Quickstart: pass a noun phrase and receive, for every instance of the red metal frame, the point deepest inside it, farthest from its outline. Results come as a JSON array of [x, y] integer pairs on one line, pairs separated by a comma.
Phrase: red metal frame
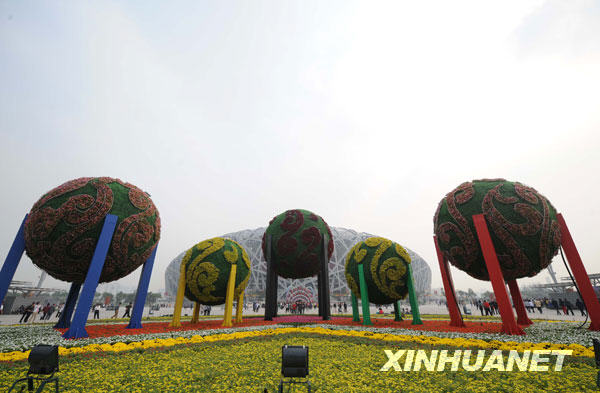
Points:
[[509, 324], [580, 274], [455, 317], [515, 293]]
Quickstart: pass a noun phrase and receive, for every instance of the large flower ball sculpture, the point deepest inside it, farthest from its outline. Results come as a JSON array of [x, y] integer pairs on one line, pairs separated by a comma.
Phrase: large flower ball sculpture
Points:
[[296, 241], [385, 267], [63, 227], [522, 224], [208, 267]]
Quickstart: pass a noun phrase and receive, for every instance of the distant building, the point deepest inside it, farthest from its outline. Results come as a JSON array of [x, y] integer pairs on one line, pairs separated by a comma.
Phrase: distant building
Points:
[[302, 289]]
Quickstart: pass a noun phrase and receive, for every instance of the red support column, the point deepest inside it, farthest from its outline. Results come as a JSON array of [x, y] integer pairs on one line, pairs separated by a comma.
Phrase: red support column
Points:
[[515, 293], [580, 274], [509, 325], [455, 317]]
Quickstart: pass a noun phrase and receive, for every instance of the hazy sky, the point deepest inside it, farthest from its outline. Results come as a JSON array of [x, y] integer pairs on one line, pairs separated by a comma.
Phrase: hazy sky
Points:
[[366, 113]]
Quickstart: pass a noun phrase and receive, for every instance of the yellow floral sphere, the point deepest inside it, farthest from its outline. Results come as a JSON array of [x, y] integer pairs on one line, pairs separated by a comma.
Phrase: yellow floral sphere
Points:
[[385, 266], [207, 268]]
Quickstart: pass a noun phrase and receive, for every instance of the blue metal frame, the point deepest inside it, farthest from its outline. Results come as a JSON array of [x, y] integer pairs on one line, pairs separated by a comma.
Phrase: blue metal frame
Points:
[[77, 328], [135, 322], [65, 317], [12, 260]]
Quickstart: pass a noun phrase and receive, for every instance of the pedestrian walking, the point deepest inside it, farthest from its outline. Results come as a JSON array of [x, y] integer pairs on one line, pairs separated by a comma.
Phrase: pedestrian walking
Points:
[[50, 311], [568, 307], [36, 309], [538, 305], [116, 314], [97, 311], [562, 305], [555, 306], [580, 306], [26, 313], [127, 309]]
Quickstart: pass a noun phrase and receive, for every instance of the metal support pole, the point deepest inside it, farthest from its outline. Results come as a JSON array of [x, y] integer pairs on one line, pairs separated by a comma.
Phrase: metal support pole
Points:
[[455, 317], [176, 320], [12, 260], [509, 324], [397, 314], [77, 328], [412, 295], [364, 296], [229, 297], [270, 291], [65, 317], [579, 273], [240, 308], [135, 322], [325, 280], [515, 293]]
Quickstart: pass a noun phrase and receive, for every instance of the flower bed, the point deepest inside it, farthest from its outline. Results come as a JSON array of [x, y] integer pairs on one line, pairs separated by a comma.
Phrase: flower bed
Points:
[[96, 331], [252, 363], [125, 343]]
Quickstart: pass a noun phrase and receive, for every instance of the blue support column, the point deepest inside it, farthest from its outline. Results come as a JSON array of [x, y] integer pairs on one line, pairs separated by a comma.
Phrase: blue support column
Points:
[[77, 329], [12, 260], [135, 322], [65, 317]]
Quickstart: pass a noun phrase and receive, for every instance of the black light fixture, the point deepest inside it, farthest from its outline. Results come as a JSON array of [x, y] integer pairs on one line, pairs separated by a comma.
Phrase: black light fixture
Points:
[[597, 356], [43, 360], [294, 364]]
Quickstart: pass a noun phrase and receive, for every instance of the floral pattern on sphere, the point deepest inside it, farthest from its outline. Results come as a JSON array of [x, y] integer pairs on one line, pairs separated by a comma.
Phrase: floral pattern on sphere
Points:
[[207, 268], [385, 266], [296, 243], [522, 224], [63, 227]]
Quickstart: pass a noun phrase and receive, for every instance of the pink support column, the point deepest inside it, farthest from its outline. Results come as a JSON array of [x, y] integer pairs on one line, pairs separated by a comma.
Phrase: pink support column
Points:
[[455, 318], [581, 276], [509, 324], [515, 293]]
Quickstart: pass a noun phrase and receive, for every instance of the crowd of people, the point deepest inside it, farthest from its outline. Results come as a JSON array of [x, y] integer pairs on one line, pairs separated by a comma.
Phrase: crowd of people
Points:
[[531, 305], [30, 313]]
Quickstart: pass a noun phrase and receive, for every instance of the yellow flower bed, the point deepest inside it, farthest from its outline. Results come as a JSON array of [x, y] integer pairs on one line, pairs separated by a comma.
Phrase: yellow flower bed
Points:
[[337, 365], [578, 350]]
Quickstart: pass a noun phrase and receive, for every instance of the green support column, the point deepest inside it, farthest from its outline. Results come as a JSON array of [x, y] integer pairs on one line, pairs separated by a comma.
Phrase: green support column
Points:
[[397, 314], [355, 314], [414, 305], [364, 296]]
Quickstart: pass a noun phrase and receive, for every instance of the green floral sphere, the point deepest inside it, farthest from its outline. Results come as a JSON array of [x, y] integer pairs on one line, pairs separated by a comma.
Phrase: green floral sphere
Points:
[[385, 266], [207, 268], [522, 224], [63, 227], [296, 237]]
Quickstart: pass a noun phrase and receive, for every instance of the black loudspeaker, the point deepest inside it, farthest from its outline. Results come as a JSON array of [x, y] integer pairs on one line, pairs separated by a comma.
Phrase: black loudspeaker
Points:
[[294, 361], [43, 359]]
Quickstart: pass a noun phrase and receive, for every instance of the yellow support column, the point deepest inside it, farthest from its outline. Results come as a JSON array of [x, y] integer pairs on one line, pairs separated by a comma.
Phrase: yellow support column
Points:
[[196, 312], [240, 308], [176, 321], [229, 297]]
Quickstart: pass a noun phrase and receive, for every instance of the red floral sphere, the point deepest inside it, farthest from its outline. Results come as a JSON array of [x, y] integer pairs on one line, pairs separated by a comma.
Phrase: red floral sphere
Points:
[[522, 223], [296, 243], [63, 227]]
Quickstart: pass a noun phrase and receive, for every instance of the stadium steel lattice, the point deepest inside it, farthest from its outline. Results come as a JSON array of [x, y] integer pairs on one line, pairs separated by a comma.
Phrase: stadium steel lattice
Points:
[[302, 289]]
